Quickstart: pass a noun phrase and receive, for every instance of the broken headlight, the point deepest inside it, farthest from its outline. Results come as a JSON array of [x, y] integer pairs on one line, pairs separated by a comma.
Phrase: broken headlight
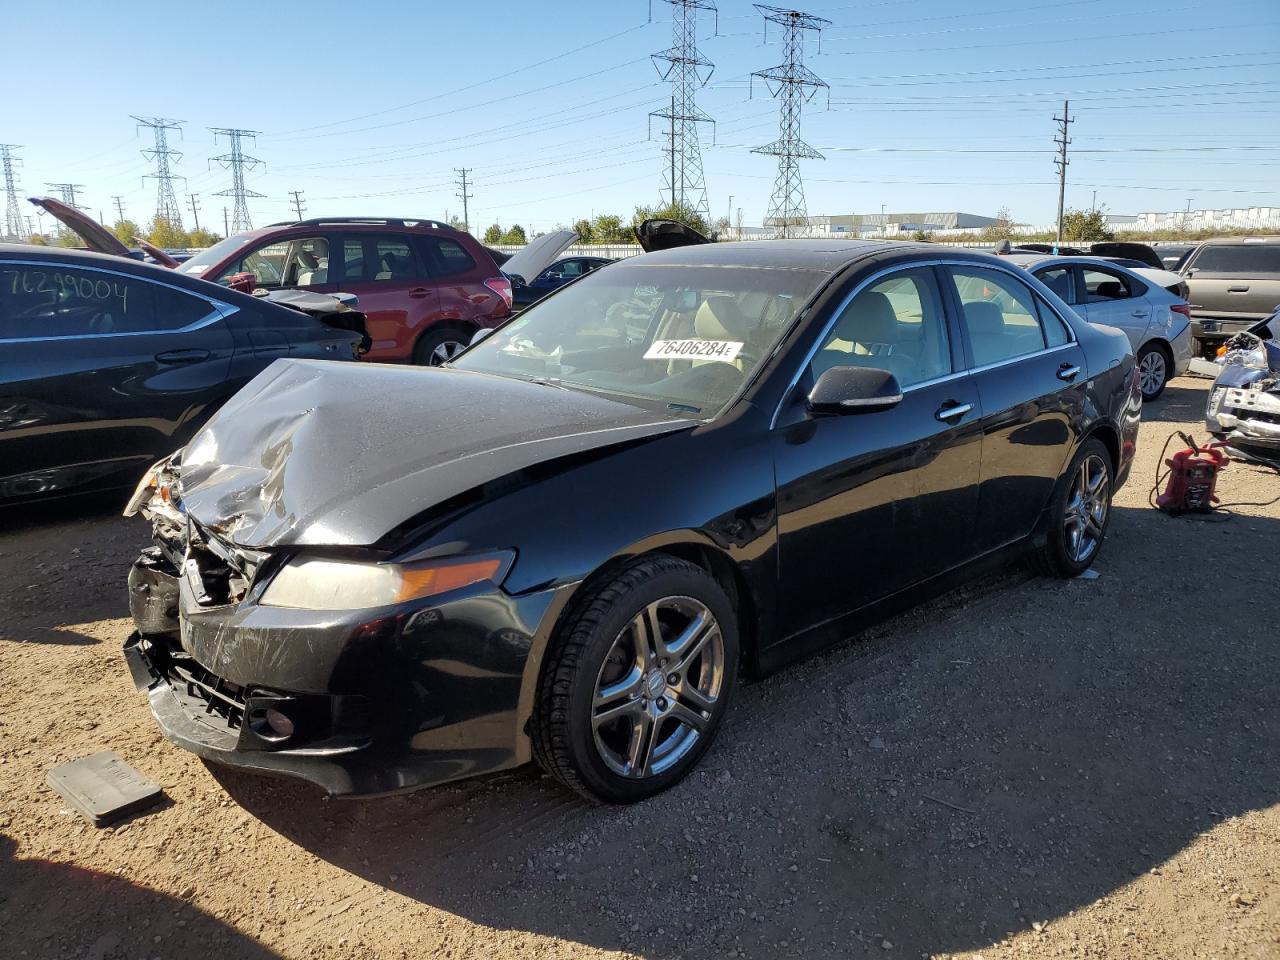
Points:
[[326, 584]]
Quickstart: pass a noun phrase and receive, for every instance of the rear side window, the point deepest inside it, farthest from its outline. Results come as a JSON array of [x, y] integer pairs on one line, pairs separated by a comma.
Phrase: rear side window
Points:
[[445, 257], [54, 301], [394, 260], [1102, 286], [1247, 259], [1000, 314]]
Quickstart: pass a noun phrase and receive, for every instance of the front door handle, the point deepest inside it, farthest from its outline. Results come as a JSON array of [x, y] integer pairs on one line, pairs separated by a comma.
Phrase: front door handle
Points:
[[1244, 289], [1140, 313], [183, 356], [952, 411], [1068, 372], [419, 292]]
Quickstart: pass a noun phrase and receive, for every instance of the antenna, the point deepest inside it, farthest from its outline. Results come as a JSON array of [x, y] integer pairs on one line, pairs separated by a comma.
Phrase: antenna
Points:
[[793, 84], [237, 162], [15, 228], [688, 70], [167, 208]]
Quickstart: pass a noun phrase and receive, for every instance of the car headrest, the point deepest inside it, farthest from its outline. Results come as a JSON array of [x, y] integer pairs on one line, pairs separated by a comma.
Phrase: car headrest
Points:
[[1111, 289], [983, 316], [307, 259], [1060, 284], [869, 319], [720, 318]]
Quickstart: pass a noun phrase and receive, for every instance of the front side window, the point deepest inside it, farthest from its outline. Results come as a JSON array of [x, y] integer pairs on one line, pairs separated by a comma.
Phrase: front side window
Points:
[[1000, 314], [1102, 286], [685, 339], [1058, 279], [50, 300], [896, 324], [286, 263]]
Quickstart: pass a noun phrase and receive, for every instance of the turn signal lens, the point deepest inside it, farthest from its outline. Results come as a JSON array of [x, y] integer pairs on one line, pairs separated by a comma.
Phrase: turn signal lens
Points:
[[324, 584], [1221, 350]]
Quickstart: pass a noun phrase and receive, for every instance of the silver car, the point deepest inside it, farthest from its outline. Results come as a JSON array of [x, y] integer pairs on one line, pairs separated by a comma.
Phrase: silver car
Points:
[[1156, 320]]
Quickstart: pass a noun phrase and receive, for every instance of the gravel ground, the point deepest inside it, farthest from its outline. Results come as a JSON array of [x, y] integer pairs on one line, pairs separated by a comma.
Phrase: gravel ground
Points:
[[1021, 768]]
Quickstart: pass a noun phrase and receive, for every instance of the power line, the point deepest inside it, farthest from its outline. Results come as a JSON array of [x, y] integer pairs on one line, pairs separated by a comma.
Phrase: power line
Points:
[[14, 226], [793, 84], [237, 162], [167, 208], [464, 196], [685, 66], [1062, 140], [296, 200]]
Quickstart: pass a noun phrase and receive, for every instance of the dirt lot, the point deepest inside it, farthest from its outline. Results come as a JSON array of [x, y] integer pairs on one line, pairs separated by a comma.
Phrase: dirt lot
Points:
[[1022, 768]]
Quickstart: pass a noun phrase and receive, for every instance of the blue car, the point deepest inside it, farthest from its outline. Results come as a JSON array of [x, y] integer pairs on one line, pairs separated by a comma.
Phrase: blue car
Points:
[[555, 276]]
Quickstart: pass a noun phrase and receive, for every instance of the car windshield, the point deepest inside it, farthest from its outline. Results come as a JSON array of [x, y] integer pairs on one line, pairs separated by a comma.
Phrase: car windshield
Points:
[[681, 338], [203, 260]]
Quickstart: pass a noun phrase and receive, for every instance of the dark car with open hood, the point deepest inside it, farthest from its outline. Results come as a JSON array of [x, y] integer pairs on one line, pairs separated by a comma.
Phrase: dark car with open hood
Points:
[[566, 544], [107, 363]]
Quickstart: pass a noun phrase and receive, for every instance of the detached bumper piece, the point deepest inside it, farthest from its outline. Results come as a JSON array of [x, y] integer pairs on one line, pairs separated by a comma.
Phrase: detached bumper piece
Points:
[[299, 735]]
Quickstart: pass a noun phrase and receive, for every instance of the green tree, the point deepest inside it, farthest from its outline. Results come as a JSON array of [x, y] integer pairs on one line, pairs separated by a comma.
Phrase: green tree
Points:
[[126, 231], [585, 230], [609, 228], [68, 239], [681, 212], [515, 236], [1085, 225], [493, 234], [1002, 229], [922, 236], [38, 240], [201, 238], [165, 233], [457, 223]]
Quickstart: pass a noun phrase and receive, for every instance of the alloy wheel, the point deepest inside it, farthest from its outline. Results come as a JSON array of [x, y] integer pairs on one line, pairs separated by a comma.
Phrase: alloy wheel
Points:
[[446, 351], [1152, 371], [1087, 506], [658, 687]]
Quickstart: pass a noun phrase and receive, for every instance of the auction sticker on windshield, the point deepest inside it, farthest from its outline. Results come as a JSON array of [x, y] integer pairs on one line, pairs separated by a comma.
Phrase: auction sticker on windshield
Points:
[[726, 350]]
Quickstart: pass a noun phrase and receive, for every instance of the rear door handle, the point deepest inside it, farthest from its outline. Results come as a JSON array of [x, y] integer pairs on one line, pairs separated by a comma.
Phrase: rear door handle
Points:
[[1243, 289], [1140, 313], [1068, 372], [952, 411], [182, 356], [419, 292]]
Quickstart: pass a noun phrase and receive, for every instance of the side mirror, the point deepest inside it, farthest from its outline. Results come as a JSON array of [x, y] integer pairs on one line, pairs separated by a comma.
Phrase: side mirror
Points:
[[480, 335], [855, 390]]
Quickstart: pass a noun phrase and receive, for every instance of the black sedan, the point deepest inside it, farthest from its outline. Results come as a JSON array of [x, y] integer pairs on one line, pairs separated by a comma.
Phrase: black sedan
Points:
[[107, 363], [555, 276], [567, 544]]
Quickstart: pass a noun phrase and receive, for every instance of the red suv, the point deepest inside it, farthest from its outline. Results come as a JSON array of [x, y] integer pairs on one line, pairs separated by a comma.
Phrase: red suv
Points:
[[424, 286]]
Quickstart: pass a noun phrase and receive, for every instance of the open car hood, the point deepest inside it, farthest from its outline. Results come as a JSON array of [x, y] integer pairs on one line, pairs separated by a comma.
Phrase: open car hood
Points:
[[661, 234], [538, 254], [95, 236], [156, 254], [341, 454]]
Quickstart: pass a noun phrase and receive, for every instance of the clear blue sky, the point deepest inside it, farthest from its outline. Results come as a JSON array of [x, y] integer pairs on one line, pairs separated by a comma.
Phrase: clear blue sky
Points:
[[369, 107]]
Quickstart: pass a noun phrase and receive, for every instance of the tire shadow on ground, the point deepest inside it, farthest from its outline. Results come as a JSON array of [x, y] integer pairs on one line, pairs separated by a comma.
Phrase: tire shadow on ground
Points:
[[999, 757]]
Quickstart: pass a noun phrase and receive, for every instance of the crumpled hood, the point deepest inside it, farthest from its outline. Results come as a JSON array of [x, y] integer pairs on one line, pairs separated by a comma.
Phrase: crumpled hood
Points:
[[314, 452]]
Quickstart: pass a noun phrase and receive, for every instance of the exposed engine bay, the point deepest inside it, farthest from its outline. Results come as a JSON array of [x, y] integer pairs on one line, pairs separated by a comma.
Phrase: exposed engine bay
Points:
[[1244, 404]]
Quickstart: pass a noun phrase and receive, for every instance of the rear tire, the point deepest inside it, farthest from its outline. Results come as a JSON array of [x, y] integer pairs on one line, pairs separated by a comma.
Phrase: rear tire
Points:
[[1078, 514], [440, 346], [636, 681], [1154, 368]]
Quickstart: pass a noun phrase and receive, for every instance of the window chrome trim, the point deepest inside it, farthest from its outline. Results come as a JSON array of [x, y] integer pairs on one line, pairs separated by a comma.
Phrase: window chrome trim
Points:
[[220, 310], [955, 375]]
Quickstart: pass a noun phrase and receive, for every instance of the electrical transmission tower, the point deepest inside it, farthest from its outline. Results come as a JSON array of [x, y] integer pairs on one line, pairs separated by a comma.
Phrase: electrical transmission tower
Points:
[[167, 208], [237, 162], [68, 193], [296, 200], [688, 70], [1061, 161], [14, 226], [793, 84], [464, 196]]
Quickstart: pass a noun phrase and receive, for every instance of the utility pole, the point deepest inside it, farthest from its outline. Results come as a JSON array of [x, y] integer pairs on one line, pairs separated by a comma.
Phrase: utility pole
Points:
[[297, 201], [1064, 122], [119, 202], [237, 162], [688, 71], [13, 223], [167, 207], [884, 230], [1093, 204], [464, 196], [195, 208], [226, 224], [793, 84]]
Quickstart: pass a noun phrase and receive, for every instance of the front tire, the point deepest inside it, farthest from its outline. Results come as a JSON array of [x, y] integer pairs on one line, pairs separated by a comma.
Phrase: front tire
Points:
[[1154, 366], [637, 681], [1079, 514]]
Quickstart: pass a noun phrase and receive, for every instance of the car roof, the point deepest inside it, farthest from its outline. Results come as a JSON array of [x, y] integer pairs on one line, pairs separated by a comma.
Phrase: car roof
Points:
[[822, 255], [1237, 241]]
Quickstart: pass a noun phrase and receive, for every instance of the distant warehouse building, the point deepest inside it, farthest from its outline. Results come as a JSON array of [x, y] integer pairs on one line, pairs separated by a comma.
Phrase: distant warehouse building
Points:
[[890, 224]]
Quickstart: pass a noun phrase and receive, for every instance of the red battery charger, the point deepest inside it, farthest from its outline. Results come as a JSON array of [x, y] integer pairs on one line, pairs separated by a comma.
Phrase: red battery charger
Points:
[[1193, 478]]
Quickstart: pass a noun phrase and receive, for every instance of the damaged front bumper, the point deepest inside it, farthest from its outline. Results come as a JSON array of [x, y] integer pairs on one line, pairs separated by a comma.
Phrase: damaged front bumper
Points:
[[372, 701], [1244, 403]]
